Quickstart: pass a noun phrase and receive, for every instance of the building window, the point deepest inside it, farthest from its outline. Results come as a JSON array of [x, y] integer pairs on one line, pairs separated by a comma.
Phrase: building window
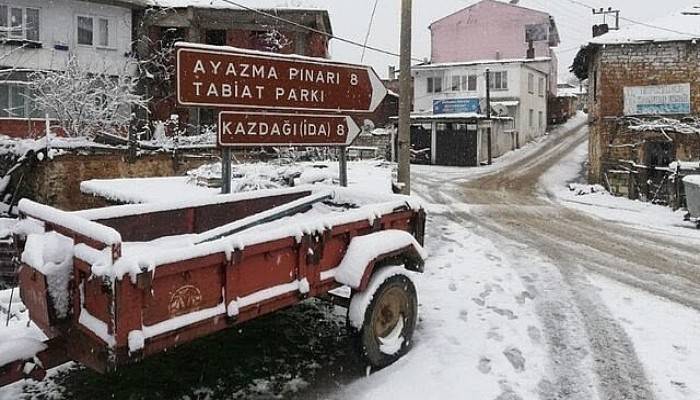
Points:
[[19, 23], [540, 87], [530, 83], [471, 84], [540, 119], [532, 118], [435, 84], [15, 102], [103, 25], [456, 83], [87, 32], [216, 37], [499, 80], [460, 83]]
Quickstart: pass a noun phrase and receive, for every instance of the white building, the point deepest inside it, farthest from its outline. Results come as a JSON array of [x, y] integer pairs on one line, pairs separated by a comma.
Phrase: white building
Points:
[[43, 35], [518, 90]]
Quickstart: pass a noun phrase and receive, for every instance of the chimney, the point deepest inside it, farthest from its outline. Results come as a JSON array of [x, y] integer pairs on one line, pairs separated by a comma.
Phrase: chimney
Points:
[[498, 55], [392, 72], [514, 2], [530, 50], [600, 30]]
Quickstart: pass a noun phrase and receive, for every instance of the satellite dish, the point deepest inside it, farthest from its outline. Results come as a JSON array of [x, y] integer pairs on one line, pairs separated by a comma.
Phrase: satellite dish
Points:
[[500, 109]]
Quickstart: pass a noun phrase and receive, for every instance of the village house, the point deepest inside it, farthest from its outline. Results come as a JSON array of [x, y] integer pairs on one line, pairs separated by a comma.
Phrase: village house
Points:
[[517, 90], [644, 102], [514, 44], [496, 30], [38, 35]]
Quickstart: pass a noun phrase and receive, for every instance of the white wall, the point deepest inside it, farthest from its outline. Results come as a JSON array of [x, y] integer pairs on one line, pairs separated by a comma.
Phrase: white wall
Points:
[[58, 26], [531, 101]]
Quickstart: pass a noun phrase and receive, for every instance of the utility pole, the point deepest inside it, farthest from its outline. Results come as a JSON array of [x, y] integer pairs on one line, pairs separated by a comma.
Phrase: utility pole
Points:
[[488, 115], [405, 100]]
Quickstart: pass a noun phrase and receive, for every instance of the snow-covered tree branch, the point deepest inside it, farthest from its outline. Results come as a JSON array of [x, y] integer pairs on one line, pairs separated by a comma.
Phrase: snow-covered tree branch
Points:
[[86, 103]]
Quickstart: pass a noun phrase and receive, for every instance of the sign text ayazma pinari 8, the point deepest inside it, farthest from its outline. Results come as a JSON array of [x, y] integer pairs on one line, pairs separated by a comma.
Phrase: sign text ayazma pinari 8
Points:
[[227, 77]]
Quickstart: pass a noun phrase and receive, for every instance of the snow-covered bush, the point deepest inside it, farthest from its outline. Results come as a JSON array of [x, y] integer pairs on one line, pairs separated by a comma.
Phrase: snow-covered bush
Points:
[[85, 103]]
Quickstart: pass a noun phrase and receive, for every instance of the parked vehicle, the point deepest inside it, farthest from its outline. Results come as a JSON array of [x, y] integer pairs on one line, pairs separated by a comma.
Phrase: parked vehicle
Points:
[[113, 285]]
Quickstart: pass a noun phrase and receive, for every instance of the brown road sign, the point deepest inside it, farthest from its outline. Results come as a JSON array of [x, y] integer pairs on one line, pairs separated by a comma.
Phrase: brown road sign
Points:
[[278, 129], [223, 77]]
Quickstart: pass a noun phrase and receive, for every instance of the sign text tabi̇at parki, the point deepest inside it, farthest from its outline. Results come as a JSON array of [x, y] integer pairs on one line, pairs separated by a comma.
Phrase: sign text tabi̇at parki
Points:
[[229, 77]]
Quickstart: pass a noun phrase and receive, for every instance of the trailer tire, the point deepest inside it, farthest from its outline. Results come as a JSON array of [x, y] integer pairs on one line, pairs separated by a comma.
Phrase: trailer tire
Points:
[[389, 320]]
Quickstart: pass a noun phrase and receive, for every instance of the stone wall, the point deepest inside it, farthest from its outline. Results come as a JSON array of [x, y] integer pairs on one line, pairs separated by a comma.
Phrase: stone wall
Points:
[[56, 182], [615, 66]]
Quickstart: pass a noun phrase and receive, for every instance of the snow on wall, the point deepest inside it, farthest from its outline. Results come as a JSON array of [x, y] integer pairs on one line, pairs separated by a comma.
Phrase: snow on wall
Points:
[[365, 249]]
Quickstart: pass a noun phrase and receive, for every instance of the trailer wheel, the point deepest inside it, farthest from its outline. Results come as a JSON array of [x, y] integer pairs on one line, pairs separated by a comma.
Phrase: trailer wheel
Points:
[[389, 319]]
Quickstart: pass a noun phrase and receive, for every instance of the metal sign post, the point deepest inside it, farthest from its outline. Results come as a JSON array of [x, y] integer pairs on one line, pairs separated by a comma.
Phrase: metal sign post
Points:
[[343, 161], [226, 170]]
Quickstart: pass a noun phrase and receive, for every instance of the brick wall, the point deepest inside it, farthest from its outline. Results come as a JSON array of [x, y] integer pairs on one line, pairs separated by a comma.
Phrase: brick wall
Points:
[[57, 182], [613, 67]]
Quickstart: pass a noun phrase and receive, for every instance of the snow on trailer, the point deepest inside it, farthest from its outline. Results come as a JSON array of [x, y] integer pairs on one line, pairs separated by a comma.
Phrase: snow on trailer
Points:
[[113, 285]]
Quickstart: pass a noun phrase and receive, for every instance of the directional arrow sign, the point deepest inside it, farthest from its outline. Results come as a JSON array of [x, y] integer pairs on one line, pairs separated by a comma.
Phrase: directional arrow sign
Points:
[[216, 76], [277, 129]]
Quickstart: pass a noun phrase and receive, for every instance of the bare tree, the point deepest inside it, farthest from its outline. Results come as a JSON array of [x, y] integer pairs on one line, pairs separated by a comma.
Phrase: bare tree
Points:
[[84, 102]]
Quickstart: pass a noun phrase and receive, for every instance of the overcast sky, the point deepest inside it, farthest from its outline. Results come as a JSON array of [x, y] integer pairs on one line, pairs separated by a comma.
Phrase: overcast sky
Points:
[[350, 19]]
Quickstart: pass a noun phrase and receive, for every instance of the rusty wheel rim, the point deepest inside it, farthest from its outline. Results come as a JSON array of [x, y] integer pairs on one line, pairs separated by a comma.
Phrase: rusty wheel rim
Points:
[[391, 307]]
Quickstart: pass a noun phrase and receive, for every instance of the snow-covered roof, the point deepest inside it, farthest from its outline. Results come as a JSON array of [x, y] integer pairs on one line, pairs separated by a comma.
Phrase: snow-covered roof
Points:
[[506, 103], [481, 62], [451, 116], [257, 4], [570, 92], [123, 3], [683, 25]]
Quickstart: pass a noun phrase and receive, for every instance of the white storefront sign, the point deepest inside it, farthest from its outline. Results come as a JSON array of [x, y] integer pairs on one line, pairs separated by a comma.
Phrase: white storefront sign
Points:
[[657, 100]]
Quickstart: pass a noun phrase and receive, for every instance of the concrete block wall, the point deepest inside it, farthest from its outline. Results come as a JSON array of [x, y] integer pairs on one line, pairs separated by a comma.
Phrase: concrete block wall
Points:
[[56, 182]]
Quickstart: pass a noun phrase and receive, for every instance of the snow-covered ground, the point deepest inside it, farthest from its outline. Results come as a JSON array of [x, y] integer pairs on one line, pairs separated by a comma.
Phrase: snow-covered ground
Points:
[[664, 334], [646, 216], [478, 334], [500, 318]]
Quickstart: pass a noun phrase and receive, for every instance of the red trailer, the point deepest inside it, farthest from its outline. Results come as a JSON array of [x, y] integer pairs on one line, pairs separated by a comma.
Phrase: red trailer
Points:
[[113, 285]]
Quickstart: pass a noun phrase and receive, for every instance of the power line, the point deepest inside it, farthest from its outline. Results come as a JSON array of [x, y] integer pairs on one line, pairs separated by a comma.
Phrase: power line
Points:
[[369, 30], [634, 21], [326, 34]]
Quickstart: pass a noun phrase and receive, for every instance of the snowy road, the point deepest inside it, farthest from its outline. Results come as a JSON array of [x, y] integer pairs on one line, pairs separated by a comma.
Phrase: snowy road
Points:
[[561, 254], [524, 297]]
